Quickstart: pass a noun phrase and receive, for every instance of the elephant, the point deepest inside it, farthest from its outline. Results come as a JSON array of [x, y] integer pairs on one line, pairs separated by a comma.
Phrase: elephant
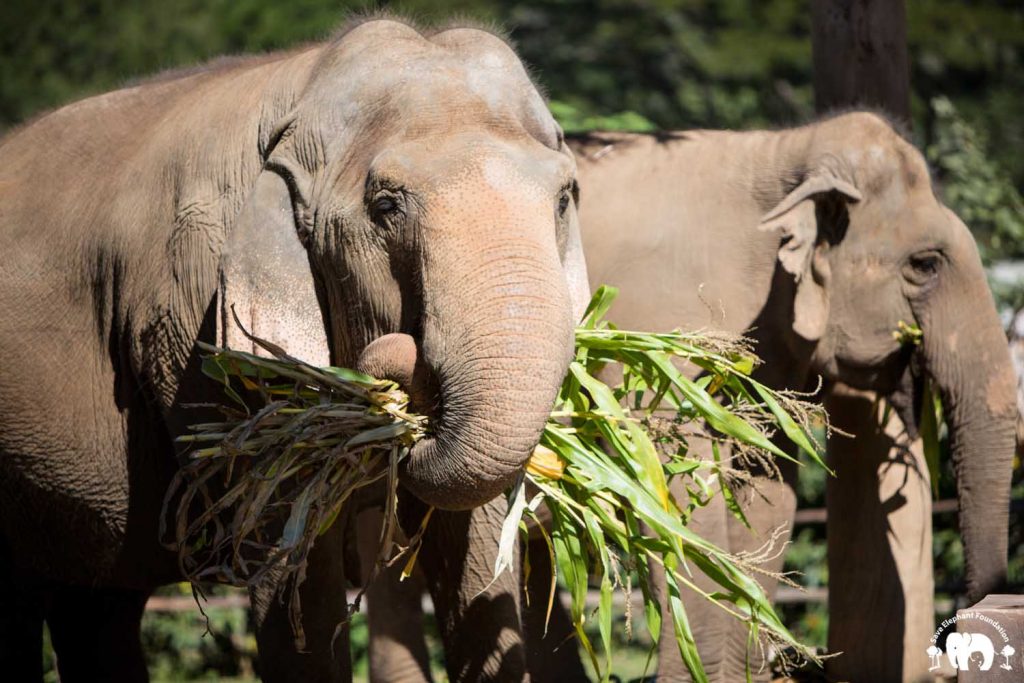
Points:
[[393, 197], [815, 242], [960, 647]]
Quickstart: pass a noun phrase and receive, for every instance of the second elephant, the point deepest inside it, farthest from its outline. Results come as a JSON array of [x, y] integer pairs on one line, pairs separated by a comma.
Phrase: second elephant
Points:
[[816, 242]]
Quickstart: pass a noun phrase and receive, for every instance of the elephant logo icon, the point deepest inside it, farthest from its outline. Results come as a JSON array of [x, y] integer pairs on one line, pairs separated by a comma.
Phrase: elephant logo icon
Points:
[[964, 648]]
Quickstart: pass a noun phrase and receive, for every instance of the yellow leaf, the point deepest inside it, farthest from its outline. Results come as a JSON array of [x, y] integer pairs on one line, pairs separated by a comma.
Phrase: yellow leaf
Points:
[[545, 463]]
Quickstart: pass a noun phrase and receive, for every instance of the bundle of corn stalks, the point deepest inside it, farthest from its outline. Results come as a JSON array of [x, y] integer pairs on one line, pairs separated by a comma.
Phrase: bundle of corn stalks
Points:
[[263, 484], [267, 481], [604, 472]]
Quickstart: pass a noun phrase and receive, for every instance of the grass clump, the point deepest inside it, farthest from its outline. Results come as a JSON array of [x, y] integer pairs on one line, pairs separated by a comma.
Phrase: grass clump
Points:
[[268, 482]]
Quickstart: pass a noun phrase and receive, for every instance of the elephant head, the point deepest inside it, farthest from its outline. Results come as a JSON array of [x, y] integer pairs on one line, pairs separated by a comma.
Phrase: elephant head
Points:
[[961, 646], [416, 185], [868, 245]]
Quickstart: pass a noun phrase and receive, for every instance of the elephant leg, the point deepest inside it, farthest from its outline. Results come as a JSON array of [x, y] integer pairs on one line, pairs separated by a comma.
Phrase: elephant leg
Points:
[[879, 547], [21, 624], [478, 616], [709, 623], [722, 640], [95, 633], [554, 656], [325, 657], [769, 505], [398, 651]]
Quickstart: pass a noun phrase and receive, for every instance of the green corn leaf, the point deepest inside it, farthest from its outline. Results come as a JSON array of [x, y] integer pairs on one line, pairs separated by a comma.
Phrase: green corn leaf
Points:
[[683, 632], [792, 430], [602, 300], [931, 419]]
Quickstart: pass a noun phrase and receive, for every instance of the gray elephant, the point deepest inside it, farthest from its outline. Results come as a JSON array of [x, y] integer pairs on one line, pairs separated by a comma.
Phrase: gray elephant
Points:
[[815, 242], [390, 184]]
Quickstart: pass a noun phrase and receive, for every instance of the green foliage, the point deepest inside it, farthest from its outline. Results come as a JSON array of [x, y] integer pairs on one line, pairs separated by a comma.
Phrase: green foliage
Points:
[[973, 54], [183, 645], [679, 63], [973, 185], [573, 120], [312, 436], [606, 472]]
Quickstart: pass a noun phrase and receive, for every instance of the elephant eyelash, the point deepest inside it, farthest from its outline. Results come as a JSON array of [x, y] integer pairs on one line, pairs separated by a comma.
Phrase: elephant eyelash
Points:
[[926, 263], [383, 205], [563, 203], [386, 205], [569, 193], [922, 269]]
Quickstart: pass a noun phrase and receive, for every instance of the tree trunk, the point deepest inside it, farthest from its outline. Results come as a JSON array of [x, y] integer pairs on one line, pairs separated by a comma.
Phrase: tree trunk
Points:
[[860, 56], [879, 523]]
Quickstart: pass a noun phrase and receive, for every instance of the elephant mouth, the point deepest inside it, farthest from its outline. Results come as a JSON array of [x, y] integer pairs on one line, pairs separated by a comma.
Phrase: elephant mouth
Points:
[[424, 391], [885, 376], [397, 357]]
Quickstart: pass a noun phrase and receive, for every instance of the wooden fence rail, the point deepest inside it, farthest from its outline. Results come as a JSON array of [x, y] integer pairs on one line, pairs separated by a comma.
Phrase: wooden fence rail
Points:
[[784, 595]]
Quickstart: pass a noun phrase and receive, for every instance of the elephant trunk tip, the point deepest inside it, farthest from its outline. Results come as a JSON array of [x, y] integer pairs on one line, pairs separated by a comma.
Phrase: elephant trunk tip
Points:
[[472, 455]]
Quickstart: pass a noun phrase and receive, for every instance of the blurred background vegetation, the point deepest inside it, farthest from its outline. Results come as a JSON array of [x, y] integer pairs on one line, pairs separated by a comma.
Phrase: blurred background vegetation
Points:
[[636, 64], [630, 64]]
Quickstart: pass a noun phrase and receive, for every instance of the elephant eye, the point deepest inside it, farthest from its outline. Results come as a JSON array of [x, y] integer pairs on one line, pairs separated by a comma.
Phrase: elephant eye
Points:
[[923, 266], [563, 202], [384, 206]]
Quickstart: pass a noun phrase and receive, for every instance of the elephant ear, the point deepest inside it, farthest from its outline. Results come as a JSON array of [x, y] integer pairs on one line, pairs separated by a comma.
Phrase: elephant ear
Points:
[[266, 280], [801, 254]]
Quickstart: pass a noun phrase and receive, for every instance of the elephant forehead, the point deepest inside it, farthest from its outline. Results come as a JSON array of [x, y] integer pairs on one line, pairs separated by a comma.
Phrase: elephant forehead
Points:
[[405, 81], [447, 97], [488, 185], [454, 167]]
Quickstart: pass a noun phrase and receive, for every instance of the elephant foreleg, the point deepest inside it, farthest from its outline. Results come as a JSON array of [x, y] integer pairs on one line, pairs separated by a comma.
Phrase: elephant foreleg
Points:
[[325, 657], [879, 546], [478, 616], [394, 609], [95, 634]]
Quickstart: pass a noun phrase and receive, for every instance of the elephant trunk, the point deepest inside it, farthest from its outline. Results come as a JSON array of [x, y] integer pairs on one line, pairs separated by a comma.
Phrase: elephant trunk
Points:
[[966, 352], [499, 366], [495, 354]]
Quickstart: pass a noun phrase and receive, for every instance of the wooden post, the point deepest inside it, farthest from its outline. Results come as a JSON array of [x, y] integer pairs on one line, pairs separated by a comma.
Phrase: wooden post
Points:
[[879, 521], [997, 620]]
